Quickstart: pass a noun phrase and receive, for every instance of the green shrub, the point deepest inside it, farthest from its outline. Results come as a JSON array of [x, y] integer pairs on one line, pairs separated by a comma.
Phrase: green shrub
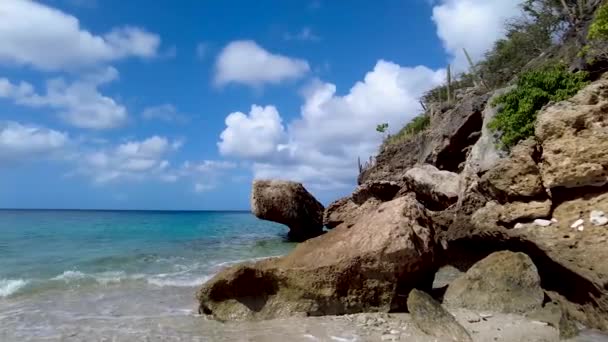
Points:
[[534, 89], [599, 27], [417, 125]]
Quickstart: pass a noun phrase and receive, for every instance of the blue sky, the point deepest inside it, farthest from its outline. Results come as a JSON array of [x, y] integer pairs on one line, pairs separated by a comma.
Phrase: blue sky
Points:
[[180, 104]]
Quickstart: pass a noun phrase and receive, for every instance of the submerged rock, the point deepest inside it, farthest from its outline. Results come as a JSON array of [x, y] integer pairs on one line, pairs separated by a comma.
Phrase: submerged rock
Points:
[[369, 266], [290, 204], [434, 320], [503, 282]]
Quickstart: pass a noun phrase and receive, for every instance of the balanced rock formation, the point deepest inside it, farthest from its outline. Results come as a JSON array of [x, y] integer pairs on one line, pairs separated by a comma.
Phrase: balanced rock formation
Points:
[[369, 266], [503, 282], [288, 203]]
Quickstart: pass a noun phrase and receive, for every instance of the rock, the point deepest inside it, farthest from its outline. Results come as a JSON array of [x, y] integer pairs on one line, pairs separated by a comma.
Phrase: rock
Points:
[[380, 190], [598, 218], [542, 223], [518, 225], [338, 212], [574, 139], [502, 282], [577, 223], [553, 314], [369, 266], [435, 188], [524, 211], [431, 318], [290, 204], [516, 177]]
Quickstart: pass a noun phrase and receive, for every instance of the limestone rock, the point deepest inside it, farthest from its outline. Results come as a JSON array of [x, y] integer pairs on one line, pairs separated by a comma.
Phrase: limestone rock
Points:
[[525, 211], [553, 314], [574, 139], [435, 188], [290, 204], [598, 218], [502, 282], [369, 266], [380, 190], [516, 177], [338, 212], [431, 318]]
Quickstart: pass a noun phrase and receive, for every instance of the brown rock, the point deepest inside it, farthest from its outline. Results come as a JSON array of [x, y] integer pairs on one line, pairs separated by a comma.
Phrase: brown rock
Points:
[[516, 177], [524, 211], [338, 212], [370, 266], [290, 204], [503, 282], [436, 189], [574, 139], [432, 319], [380, 190]]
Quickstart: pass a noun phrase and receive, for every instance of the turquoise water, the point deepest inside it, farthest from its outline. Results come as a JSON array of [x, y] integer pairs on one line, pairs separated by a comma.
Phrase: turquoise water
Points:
[[57, 267]]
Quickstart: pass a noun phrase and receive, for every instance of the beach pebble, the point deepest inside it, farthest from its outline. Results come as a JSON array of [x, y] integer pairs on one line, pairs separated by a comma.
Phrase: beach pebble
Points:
[[389, 337], [580, 228], [598, 218], [577, 223], [542, 223], [518, 225], [554, 220]]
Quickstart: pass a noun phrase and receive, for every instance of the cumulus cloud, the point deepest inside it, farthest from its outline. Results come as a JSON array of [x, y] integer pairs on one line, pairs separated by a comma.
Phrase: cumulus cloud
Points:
[[20, 141], [472, 24], [322, 145], [166, 112], [137, 159], [78, 103], [247, 63], [254, 135], [48, 39], [206, 174]]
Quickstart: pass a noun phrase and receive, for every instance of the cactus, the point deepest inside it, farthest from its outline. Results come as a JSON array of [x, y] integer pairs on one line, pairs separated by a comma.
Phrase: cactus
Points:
[[473, 70], [449, 85]]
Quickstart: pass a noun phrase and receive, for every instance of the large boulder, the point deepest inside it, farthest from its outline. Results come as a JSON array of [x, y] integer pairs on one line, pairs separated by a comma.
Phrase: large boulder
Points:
[[574, 139], [435, 188], [380, 190], [434, 320], [290, 204], [503, 282], [369, 266], [338, 212], [516, 177]]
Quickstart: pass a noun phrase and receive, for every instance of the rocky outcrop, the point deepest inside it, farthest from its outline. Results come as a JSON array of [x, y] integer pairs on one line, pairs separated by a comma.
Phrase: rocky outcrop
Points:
[[503, 282], [338, 212], [445, 144], [290, 204], [369, 266], [434, 188], [431, 318], [574, 139]]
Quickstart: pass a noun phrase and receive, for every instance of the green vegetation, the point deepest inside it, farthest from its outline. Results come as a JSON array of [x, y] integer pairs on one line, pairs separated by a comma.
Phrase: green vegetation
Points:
[[381, 128], [597, 37], [534, 89], [417, 125]]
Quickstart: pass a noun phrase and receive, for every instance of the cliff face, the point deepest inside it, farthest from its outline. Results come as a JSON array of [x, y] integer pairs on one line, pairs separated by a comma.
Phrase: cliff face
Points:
[[449, 196]]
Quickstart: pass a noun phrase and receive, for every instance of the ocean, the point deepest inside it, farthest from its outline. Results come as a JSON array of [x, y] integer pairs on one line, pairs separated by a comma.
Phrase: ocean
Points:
[[120, 275]]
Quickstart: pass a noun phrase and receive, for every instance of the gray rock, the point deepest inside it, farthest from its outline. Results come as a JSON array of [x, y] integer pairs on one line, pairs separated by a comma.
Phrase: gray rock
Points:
[[553, 314], [542, 223], [290, 204], [502, 282], [434, 320]]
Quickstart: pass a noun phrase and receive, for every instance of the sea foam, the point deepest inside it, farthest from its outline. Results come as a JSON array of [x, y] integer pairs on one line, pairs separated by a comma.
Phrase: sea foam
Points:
[[10, 286]]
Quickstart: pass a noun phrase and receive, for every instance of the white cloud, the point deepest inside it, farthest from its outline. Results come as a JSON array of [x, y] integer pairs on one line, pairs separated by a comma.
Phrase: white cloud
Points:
[[472, 24], [48, 39], [321, 147], [19, 141], [252, 136], [206, 174], [79, 103], [248, 63], [305, 34], [131, 160], [166, 112]]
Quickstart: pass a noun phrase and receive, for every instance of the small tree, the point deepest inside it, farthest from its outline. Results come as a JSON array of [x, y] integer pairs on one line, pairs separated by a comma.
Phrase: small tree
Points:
[[382, 128]]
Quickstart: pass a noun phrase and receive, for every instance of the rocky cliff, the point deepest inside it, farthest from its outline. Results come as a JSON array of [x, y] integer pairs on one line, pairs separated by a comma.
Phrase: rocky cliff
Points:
[[449, 196]]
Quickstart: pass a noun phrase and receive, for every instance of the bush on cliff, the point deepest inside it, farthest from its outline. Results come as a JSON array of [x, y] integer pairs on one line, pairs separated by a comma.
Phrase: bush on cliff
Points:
[[597, 37], [534, 89], [417, 125]]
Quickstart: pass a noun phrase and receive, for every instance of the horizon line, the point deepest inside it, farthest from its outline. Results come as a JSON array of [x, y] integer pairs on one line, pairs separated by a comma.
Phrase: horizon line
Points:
[[99, 209]]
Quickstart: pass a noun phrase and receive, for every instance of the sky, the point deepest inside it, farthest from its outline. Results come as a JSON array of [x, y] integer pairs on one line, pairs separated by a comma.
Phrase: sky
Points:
[[179, 105]]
